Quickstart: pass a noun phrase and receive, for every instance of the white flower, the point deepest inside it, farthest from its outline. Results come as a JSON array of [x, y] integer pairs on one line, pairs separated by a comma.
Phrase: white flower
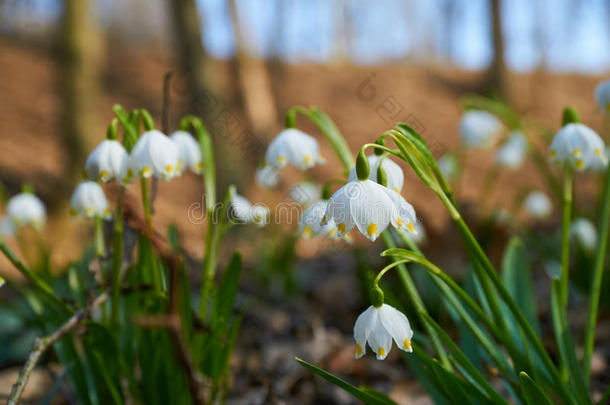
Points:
[[243, 210], [295, 147], [537, 204], [127, 172], [579, 146], [266, 176], [2, 281], [602, 95], [584, 232], [419, 236], [394, 175], [378, 326], [305, 193], [370, 207], [105, 161], [448, 165], [512, 153], [189, 152], [89, 201], [26, 209], [155, 154], [479, 129], [7, 227], [310, 223]]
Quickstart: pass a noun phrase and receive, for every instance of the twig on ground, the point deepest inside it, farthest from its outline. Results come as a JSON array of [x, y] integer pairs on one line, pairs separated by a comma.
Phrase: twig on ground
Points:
[[42, 344]]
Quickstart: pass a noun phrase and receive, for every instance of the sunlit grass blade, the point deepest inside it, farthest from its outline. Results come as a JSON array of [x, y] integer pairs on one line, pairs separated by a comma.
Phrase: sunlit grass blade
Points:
[[532, 392], [358, 393]]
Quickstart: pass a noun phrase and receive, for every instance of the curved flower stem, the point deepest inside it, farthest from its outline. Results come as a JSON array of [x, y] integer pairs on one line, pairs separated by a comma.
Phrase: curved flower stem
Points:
[[596, 279], [418, 303], [565, 236], [381, 147]]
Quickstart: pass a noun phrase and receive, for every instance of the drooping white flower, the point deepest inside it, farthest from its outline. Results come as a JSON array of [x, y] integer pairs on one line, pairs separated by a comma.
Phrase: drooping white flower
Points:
[[394, 174], [479, 129], [189, 152], [310, 223], [419, 236], [512, 153], [305, 193], [155, 154], [602, 95], [89, 201], [2, 281], [537, 204], [244, 211], [26, 209], [370, 207], [377, 326], [295, 147], [267, 176], [105, 161], [579, 146], [448, 166], [583, 231]]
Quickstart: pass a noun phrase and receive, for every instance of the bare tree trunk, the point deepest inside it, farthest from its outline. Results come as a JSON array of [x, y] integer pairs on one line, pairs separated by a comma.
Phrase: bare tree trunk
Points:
[[497, 71], [259, 103], [80, 51]]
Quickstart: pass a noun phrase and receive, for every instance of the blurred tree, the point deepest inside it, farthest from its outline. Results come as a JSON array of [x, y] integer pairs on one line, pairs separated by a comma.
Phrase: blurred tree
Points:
[[255, 84], [496, 81], [80, 47]]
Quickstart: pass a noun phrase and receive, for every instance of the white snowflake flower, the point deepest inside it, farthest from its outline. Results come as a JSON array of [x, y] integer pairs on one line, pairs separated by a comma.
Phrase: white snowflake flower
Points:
[[512, 153], [26, 209], [267, 176], [189, 152], [479, 129], [295, 147], [105, 161], [155, 154], [244, 211], [584, 232], [578, 146], [377, 326], [538, 205], [89, 201]]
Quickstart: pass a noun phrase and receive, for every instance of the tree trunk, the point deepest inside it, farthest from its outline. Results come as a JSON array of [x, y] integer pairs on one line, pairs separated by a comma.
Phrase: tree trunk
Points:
[[80, 47], [497, 71]]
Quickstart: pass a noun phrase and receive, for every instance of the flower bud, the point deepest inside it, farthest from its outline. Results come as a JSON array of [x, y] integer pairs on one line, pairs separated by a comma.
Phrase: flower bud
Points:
[[362, 166]]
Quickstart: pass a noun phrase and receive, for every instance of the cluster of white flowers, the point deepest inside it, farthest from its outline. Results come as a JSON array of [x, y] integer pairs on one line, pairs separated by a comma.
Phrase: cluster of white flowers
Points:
[[579, 147]]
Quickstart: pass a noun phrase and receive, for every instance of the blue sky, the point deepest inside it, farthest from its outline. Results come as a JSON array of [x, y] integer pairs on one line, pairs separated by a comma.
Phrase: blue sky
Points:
[[575, 33]]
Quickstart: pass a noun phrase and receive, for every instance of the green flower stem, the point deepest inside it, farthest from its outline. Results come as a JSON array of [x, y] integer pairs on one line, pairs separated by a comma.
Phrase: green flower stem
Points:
[[596, 279], [117, 258], [146, 203], [420, 308], [100, 249], [381, 147], [565, 236], [38, 283]]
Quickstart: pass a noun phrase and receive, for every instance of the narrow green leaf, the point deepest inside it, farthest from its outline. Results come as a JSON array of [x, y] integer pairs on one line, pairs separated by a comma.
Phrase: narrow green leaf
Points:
[[533, 394], [566, 345], [225, 298], [344, 385]]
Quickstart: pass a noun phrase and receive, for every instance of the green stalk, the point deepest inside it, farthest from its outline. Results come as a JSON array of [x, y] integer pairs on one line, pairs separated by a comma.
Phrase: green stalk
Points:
[[420, 308], [38, 283], [146, 203], [209, 265], [565, 236], [100, 249], [596, 279], [117, 258]]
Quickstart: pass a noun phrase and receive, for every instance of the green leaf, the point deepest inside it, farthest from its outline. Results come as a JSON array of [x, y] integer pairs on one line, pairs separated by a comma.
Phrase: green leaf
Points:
[[361, 394], [225, 298], [517, 277], [533, 394], [333, 136], [130, 132], [566, 345]]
